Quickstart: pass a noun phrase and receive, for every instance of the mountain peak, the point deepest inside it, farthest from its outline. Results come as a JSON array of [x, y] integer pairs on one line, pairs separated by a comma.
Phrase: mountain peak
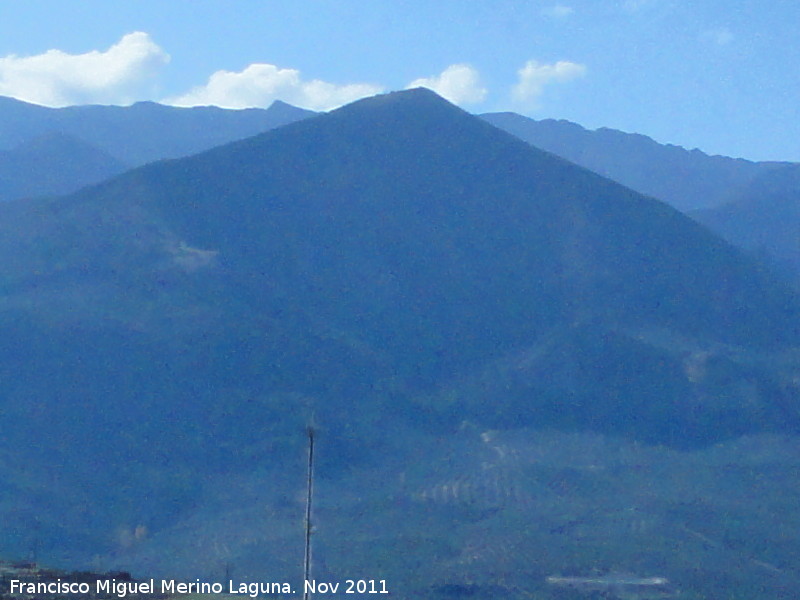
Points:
[[280, 104], [418, 99], [417, 93], [287, 112]]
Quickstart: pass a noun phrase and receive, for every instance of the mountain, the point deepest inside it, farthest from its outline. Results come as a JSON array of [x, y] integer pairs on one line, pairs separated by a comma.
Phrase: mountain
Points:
[[461, 315], [146, 131], [764, 219], [685, 179], [143, 132], [53, 164]]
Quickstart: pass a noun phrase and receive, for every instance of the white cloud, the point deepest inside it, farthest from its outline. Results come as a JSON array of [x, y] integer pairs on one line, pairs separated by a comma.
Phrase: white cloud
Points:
[[260, 84], [119, 75], [558, 11], [534, 76], [460, 84]]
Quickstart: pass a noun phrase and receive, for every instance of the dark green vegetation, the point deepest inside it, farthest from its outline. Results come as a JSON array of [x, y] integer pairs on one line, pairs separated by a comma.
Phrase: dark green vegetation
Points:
[[426, 285], [685, 179]]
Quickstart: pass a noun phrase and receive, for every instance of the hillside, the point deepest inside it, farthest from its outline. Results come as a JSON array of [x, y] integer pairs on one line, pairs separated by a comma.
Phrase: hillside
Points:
[[764, 219], [447, 303]]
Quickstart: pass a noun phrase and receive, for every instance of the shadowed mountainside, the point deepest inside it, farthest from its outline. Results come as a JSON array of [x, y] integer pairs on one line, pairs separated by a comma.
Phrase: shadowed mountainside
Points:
[[397, 267], [764, 219]]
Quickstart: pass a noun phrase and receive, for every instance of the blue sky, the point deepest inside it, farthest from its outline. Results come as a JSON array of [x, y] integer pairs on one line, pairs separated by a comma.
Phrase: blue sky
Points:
[[720, 76]]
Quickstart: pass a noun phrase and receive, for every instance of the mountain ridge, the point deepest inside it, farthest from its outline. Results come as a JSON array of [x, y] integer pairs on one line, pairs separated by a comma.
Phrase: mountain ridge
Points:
[[686, 179], [142, 132]]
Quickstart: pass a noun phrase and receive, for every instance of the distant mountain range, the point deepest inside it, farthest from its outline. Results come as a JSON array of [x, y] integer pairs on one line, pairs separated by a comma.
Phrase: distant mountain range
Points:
[[143, 132], [753, 205], [420, 283], [764, 219], [48, 151], [687, 180], [53, 164]]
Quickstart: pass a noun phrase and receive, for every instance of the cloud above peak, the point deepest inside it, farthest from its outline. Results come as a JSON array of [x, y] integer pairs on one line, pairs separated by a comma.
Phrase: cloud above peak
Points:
[[120, 75], [129, 70], [460, 84], [259, 84], [535, 76]]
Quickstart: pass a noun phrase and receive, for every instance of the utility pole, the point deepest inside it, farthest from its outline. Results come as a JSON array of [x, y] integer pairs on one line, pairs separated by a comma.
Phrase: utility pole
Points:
[[309, 497]]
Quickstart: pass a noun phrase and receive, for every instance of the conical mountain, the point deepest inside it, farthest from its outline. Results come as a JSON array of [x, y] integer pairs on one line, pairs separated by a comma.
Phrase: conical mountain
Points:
[[425, 241], [408, 188], [393, 266]]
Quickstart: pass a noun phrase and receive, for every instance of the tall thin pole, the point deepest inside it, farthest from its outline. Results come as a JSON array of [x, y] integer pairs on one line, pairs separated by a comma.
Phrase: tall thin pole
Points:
[[309, 495]]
